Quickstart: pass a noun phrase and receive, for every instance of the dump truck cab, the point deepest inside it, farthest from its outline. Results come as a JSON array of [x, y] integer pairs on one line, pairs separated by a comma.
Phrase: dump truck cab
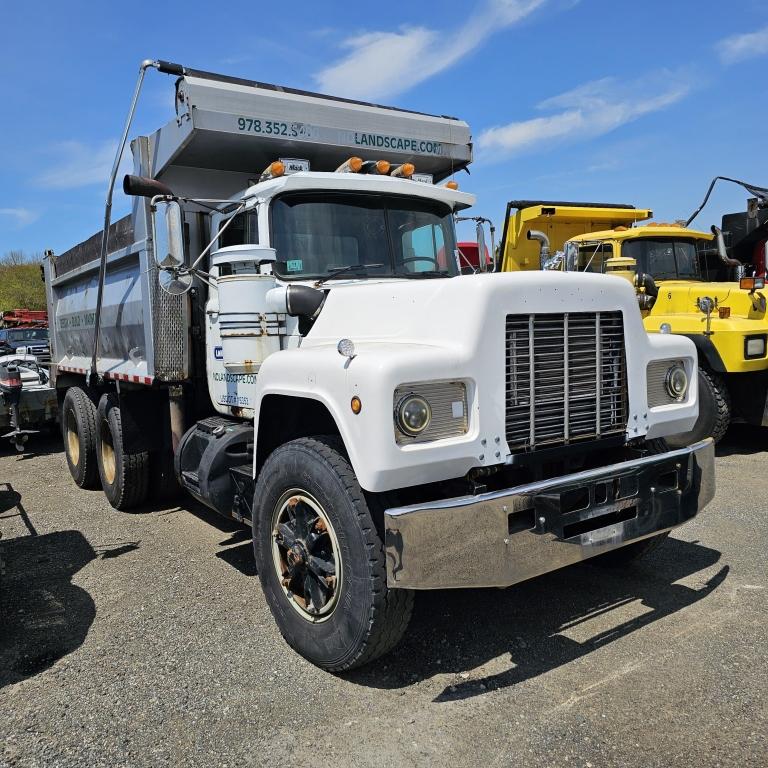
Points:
[[673, 269]]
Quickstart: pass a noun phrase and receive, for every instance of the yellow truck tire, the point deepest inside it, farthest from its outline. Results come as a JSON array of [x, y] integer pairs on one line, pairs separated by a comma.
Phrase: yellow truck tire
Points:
[[714, 411]]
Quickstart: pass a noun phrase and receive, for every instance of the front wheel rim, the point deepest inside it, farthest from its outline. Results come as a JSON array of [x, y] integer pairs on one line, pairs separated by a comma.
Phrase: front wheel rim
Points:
[[306, 555]]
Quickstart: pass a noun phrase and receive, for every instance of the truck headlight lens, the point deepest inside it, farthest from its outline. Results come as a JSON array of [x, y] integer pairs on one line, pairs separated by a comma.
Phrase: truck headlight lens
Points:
[[413, 414], [677, 382], [754, 347]]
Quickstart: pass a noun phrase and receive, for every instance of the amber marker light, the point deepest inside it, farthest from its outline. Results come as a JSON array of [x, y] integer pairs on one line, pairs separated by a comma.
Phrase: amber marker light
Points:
[[382, 167], [406, 170], [356, 405], [353, 165], [273, 170], [452, 185], [723, 312], [751, 283]]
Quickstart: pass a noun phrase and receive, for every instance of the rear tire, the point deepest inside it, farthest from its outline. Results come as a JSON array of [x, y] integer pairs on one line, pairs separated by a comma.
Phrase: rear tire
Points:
[[714, 412], [78, 428], [311, 517], [124, 476]]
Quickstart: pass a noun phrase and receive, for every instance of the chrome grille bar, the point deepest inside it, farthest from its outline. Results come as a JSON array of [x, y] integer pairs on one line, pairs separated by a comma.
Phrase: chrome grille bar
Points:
[[565, 378]]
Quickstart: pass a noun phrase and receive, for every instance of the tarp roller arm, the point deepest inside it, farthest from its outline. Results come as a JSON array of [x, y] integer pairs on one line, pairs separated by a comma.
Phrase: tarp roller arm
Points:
[[161, 66]]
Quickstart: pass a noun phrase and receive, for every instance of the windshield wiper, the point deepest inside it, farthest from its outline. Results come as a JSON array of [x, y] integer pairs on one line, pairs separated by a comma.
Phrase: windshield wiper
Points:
[[426, 273], [336, 271]]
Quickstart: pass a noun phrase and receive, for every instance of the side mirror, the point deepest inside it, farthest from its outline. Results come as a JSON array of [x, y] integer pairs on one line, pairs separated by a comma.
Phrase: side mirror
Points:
[[168, 234], [168, 240], [480, 233]]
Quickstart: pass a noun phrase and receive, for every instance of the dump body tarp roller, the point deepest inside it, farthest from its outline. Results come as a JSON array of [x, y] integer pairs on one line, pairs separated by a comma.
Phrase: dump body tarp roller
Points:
[[229, 124]]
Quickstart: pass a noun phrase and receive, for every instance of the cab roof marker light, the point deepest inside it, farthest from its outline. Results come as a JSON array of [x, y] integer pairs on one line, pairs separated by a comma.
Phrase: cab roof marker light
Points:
[[454, 185], [273, 170], [377, 167], [353, 165], [406, 170]]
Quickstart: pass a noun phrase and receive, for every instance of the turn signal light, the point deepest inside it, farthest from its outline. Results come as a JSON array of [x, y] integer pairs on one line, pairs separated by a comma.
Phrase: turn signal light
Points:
[[406, 170], [751, 283], [356, 405], [724, 312], [273, 170], [452, 184], [353, 165]]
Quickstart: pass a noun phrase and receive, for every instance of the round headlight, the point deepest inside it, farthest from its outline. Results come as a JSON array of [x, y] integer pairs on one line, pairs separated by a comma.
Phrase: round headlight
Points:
[[413, 415], [677, 382]]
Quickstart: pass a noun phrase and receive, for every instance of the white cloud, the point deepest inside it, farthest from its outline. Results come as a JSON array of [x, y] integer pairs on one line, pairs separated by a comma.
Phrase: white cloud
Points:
[[77, 164], [380, 65], [590, 110], [21, 216], [739, 47]]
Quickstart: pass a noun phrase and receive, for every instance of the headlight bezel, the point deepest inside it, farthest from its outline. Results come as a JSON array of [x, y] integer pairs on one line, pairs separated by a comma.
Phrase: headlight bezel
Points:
[[448, 400], [755, 337]]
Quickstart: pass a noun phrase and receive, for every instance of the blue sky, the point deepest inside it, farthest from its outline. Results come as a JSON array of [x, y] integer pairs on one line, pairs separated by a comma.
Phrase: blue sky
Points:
[[567, 99]]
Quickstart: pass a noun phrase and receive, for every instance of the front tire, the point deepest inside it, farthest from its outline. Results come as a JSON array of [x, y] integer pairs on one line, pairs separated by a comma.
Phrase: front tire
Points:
[[124, 475], [321, 560], [714, 412], [78, 427]]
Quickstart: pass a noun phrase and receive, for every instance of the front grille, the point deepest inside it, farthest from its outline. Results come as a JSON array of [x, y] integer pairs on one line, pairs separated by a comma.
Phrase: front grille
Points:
[[566, 378], [42, 352]]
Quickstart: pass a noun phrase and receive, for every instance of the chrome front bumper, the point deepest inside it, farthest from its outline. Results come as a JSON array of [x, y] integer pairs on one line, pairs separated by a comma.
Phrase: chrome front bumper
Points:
[[501, 538]]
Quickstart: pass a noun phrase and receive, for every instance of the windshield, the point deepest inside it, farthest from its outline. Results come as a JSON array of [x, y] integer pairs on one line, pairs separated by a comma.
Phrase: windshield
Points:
[[317, 235], [28, 334], [664, 258]]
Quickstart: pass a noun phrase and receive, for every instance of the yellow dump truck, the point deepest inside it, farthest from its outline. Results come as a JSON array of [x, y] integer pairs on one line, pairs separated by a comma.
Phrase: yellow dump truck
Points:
[[687, 281]]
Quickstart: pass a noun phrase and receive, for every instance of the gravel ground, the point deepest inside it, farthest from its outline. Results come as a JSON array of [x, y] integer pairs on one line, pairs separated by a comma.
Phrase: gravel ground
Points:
[[144, 640]]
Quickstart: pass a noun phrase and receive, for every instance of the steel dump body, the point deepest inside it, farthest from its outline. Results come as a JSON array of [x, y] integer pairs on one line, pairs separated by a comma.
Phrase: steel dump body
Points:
[[226, 132]]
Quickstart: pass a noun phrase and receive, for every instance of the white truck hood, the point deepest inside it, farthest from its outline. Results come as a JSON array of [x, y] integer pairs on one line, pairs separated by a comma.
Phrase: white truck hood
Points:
[[455, 311]]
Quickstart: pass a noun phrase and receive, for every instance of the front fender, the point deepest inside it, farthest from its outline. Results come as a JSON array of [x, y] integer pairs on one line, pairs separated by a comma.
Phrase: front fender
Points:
[[321, 374]]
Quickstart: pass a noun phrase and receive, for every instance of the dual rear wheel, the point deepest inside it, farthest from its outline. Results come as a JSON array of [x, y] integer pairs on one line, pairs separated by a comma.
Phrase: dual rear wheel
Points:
[[97, 450]]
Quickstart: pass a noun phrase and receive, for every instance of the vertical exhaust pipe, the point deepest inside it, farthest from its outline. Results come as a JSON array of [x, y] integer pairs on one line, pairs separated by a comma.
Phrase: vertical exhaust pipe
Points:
[[543, 240], [721, 250]]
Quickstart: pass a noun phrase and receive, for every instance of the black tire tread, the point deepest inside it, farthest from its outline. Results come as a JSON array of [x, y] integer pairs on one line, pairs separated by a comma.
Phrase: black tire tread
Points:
[[722, 400], [134, 480], [392, 608], [85, 411]]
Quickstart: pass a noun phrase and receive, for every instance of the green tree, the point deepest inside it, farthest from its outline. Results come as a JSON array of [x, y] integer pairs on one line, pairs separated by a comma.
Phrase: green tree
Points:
[[21, 285]]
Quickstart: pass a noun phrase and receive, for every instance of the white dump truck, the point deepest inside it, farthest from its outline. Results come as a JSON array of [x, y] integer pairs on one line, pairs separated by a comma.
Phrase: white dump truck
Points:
[[281, 327]]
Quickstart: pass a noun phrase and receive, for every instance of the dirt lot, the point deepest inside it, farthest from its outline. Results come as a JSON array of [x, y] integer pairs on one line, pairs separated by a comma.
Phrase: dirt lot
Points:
[[144, 640]]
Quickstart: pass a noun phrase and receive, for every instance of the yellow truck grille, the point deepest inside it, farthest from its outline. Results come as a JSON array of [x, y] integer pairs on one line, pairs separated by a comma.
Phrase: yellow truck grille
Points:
[[566, 378]]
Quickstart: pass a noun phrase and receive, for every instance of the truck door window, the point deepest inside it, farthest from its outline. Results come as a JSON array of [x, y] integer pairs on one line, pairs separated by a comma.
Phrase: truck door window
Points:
[[243, 229], [592, 256]]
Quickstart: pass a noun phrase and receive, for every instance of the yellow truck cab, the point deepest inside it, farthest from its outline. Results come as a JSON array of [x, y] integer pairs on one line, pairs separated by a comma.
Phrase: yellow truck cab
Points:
[[686, 282]]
